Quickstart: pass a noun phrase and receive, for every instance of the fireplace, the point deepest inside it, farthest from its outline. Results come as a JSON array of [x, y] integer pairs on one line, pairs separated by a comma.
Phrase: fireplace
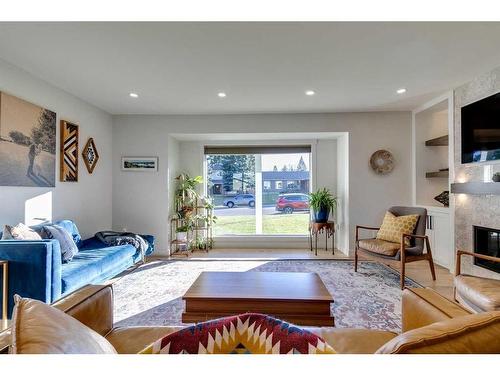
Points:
[[487, 242]]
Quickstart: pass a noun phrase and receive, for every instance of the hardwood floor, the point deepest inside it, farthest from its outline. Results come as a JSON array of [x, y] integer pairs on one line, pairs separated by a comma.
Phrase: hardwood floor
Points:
[[418, 271]]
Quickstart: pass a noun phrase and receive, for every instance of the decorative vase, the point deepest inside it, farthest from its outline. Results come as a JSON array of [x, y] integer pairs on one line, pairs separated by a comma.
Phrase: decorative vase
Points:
[[321, 216], [181, 236], [443, 198]]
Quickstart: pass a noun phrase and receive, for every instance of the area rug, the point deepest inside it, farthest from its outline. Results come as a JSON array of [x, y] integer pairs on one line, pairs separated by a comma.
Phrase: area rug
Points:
[[371, 298]]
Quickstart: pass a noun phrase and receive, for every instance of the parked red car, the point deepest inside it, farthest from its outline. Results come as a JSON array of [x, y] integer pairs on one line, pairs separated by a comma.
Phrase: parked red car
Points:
[[287, 203]]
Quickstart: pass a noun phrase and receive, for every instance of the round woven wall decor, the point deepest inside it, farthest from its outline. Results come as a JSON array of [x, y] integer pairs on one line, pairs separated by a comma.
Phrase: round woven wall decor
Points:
[[382, 162]]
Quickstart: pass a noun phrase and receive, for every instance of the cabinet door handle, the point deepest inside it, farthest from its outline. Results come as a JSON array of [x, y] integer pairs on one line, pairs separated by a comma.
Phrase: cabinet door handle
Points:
[[431, 224]]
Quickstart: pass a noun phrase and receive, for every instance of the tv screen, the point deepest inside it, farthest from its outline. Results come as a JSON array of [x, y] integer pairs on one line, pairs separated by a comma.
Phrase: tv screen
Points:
[[481, 130]]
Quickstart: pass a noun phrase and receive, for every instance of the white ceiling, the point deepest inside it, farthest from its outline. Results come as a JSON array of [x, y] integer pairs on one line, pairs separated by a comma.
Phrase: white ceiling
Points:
[[178, 68]]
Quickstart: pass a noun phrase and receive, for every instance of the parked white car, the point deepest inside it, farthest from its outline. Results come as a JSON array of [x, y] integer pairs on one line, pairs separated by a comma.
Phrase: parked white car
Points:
[[240, 200]]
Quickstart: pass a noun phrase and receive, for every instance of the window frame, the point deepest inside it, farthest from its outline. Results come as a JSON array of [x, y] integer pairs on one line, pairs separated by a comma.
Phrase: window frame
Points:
[[285, 238]]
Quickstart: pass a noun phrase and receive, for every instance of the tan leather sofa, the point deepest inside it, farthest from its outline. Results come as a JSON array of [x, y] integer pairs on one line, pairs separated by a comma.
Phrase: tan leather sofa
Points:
[[431, 324]]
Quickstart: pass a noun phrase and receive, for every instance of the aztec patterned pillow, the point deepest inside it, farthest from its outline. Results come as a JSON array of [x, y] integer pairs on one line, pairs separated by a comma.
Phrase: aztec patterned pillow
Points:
[[394, 226], [68, 246], [19, 232], [241, 334]]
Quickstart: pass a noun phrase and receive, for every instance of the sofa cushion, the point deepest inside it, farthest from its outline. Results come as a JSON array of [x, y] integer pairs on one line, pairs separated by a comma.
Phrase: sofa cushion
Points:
[[38, 328], [131, 340], [353, 340], [380, 246], [394, 226], [480, 291], [68, 246], [241, 334], [423, 306], [92, 266]]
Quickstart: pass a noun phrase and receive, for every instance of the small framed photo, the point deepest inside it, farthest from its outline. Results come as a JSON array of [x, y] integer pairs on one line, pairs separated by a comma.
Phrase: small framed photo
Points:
[[140, 164]]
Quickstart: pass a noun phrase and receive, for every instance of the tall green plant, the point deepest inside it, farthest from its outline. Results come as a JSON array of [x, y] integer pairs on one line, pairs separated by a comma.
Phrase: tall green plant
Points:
[[322, 199]]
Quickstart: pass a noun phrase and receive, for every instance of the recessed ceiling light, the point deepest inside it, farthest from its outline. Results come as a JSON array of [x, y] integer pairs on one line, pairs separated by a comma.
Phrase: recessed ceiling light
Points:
[[133, 95], [401, 91], [221, 95], [310, 93]]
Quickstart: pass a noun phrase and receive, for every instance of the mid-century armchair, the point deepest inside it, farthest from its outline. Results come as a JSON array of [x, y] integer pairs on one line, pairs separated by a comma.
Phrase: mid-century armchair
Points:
[[477, 294], [397, 254]]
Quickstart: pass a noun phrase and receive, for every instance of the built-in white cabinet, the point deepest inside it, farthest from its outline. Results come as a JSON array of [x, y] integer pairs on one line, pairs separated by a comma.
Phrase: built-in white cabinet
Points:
[[439, 231]]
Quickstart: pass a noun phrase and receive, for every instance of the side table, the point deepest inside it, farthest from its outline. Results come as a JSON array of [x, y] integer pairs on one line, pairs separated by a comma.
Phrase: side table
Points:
[[5, 278], [316, 228]]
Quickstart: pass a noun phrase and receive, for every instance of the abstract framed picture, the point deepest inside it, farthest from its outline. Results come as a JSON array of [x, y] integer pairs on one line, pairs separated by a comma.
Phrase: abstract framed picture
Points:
[[27, 143], [140, 164], [69, 152], [90, 155]]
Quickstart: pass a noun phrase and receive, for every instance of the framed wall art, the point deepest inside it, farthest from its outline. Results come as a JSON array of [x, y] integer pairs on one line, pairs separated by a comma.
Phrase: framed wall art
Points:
[[140, 164], [27, 143], [90, 155], [69, 152]]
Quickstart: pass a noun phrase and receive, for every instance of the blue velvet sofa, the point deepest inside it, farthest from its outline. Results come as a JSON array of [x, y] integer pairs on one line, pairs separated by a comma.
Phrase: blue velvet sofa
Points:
[[36, 269]]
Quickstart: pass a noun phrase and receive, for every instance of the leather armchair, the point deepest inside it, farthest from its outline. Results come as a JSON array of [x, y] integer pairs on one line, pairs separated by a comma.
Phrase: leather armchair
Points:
[[431, 324], [477, 294]]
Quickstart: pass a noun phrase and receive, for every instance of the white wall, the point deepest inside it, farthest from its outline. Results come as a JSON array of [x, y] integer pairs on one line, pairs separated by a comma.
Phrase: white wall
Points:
[[140, 201], [88, 201]]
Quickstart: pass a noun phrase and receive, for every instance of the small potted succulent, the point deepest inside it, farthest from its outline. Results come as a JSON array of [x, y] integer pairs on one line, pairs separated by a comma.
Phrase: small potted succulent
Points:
[[181, 233], [322, 203], [496, 177]]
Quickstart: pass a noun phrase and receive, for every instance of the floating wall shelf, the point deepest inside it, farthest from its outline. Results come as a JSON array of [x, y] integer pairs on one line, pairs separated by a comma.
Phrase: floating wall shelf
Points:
[[478, 188], [440, 174], [439, 141]]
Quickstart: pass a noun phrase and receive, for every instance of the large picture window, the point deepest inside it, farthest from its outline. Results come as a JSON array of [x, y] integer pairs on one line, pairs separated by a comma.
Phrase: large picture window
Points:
[[259, 190]]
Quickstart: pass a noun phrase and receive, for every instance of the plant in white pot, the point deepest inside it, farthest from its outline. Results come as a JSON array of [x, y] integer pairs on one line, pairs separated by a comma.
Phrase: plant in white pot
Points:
[[181, 233], [322, 203]]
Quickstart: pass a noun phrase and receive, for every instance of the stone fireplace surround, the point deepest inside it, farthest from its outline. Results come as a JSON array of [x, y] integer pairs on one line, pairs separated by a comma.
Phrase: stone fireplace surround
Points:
[[474, 210]]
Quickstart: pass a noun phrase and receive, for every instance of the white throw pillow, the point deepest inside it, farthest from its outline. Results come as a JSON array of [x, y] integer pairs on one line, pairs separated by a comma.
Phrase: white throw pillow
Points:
[[19, 232]]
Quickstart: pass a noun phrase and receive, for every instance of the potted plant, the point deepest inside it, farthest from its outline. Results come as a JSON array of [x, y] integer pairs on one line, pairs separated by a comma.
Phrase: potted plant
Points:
[[181, 233], [322, 202], [186, 194]]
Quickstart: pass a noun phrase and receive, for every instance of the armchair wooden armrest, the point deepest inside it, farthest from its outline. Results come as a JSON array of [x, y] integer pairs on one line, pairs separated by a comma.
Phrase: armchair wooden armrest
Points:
[[411, 235], [358, 227], [480, 256]]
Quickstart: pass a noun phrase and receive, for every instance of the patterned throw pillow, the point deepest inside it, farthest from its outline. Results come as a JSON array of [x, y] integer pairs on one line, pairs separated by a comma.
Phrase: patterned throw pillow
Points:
[[394, 226], [68, 246], [241, 334], [19, 232]]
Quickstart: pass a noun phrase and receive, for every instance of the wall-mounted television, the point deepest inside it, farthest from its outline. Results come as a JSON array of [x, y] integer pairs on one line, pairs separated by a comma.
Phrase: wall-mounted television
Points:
[[481, 130]]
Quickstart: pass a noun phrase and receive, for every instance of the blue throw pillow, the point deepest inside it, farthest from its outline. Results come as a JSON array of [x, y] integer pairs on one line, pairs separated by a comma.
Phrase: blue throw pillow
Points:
[[68, 246]]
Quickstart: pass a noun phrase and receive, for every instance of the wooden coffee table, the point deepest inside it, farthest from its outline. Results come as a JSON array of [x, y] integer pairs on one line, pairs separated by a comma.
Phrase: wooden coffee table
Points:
[[299, 298]]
